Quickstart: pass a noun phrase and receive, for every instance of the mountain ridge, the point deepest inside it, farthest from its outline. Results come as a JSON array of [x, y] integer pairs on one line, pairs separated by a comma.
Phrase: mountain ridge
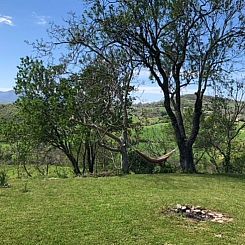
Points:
[[8, 97]]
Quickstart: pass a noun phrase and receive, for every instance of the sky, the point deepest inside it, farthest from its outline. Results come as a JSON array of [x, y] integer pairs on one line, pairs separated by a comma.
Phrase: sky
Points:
[[28, 20]]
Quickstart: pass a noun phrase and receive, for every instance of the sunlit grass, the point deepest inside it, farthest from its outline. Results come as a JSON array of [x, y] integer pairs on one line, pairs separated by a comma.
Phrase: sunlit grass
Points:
[[120, 210]]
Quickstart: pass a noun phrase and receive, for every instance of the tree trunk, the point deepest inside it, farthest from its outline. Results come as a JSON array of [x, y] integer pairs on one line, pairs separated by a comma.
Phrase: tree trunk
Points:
[[84, 160], [124, 143], [93, 155], [186, 158], [90, 156], [74, 163], [227, 159], [90, 159], [26, 170], [173, 109], [47, 169], [227, 164], [125, 160], [88, 150]]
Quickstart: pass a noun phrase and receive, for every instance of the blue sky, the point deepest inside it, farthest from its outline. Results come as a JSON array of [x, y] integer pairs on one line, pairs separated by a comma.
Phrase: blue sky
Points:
[[22, 20], [28, 20]]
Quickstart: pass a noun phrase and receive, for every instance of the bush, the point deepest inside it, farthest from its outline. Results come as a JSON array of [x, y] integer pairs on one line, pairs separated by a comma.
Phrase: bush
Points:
[[238, 165], [3, 179], [166, 168], [138, 165], [61, 173]]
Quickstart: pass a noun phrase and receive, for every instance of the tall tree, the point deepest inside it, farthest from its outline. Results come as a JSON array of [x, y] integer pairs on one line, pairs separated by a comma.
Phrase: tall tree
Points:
[[222, 127], [108, 71], [181, 43], [103, 102], [63, 108], [44, 104]]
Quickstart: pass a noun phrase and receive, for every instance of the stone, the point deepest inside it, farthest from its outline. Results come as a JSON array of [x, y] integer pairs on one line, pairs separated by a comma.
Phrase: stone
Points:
[[178, 206], [183, 208], [200, 214]]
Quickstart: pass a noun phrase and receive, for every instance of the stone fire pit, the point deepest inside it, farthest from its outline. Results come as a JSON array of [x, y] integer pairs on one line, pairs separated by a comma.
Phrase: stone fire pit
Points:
[[200, 214]]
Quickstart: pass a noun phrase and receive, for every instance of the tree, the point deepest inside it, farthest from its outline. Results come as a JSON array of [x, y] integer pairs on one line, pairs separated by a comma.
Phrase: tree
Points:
[[64, 108], [113, 64], [44, 104], [103, 102], [22, 144], [222, 127], [16, 133], [181, 42]]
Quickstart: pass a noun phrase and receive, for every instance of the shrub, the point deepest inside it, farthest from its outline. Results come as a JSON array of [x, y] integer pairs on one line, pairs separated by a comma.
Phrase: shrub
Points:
[[166, 168], [239, 164], [3, 179], [138, 165], [61, 173]]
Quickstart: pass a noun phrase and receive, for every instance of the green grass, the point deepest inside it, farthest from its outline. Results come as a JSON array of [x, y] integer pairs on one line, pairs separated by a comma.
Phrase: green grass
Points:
[[158, 133], [120, 210], [241, 136]]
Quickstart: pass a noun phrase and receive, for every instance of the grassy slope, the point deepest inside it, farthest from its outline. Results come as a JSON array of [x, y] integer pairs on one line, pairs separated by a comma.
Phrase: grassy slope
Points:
[[120, 210]]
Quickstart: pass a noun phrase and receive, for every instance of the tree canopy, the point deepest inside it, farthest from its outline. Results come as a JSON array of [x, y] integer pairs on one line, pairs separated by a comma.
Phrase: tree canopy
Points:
[[182, 43]]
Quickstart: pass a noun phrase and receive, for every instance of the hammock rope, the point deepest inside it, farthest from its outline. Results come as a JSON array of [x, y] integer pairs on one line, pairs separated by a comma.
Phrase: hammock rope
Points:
[[159, 160]]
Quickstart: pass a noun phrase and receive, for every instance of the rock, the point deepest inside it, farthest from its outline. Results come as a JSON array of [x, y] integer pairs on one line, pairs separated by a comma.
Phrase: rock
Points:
[[199, 213], [178, 206], [183, 208]]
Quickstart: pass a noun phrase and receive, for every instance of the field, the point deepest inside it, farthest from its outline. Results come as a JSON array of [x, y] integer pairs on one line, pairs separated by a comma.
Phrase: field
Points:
[[120, 210], [61, 209]]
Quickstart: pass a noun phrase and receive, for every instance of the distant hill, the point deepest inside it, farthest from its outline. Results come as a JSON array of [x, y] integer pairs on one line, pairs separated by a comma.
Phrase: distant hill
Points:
[[7, 97], [156, 109]]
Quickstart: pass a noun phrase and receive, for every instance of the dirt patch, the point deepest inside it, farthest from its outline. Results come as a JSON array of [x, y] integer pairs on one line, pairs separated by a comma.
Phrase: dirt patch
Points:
[[199, 214]]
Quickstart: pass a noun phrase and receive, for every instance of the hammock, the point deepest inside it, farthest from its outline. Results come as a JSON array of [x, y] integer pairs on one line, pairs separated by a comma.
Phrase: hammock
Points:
[[158, 160]]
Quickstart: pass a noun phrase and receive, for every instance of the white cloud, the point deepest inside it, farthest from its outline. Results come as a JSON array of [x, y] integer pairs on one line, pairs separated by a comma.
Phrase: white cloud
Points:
[[149, 89], [157, 90], [5, 89], [145, 94], [41, 19], [7, 20]]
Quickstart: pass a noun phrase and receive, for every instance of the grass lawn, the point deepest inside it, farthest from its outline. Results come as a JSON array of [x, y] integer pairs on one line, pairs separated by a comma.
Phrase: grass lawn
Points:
[[120, 210]]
